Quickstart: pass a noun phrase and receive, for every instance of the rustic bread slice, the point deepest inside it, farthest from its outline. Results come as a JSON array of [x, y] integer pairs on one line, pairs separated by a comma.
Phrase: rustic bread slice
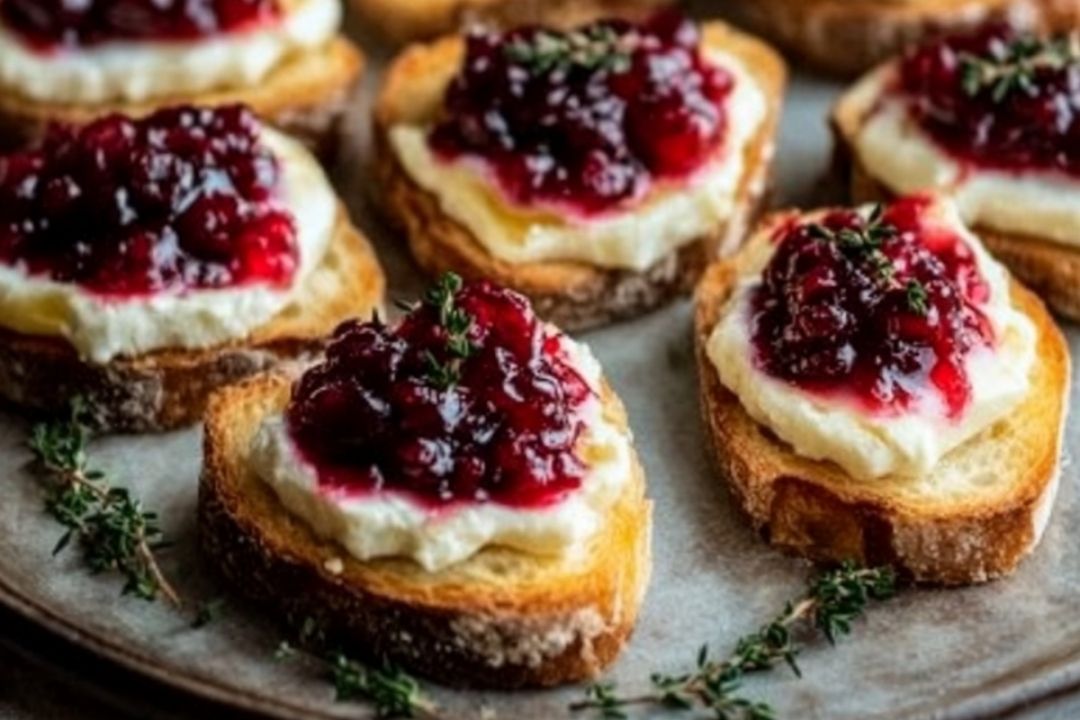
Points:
[[169, 388], [1061, 15], [573, 295], [1049, 268], [985, 509], [306, 96], [845, 37], [402, 20], [502, 619]]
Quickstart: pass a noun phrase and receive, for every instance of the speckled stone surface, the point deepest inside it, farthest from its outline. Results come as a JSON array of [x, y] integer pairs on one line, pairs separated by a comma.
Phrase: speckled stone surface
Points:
[[989, 651]]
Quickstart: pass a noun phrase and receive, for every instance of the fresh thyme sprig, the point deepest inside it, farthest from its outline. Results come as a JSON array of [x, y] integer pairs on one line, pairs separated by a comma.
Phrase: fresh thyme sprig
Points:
[[1011, 67], [393, 693], [597, 47], [833, 601], [113, 530], [457, 323], [866, 241]]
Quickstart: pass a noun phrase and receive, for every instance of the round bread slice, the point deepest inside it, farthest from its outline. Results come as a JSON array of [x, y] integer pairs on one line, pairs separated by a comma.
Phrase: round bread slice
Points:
[[573, 295], [501, 619], [402, 20], [306, 96], [845, 37], [166, 389], [983, 510], [1049, 268]]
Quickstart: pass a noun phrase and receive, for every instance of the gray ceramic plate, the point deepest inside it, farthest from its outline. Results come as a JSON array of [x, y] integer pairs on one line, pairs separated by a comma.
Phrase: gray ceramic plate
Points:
[[945, 654]]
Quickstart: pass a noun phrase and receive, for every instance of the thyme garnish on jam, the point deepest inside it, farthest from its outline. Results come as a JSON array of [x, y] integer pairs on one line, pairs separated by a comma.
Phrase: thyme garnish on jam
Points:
[[865, 242], [457, 323], [113, 530], [833, 601], [596, 47], [1011, 67]]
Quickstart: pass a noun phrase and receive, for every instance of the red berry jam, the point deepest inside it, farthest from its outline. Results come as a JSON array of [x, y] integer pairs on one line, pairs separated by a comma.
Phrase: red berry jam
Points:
[[184, 199], [469, 399], [50, 24], [877, 309], [999, 100], [586, 120]]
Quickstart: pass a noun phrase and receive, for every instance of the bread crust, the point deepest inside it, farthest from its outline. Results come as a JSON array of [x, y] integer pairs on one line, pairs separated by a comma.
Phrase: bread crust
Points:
[[1049, 268], [574, 295], [1062, 15], [813, 508], [846, 37], [167, 389], [306, 96], [404, 20], [499, 620]]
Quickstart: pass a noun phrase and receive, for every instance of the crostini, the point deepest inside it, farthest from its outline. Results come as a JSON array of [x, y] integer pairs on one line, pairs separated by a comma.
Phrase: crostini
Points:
[[144, 263], [457, 493], [595, 170], [877, 388], [73, 62], [991, 119], [847, 37], [418, 19]]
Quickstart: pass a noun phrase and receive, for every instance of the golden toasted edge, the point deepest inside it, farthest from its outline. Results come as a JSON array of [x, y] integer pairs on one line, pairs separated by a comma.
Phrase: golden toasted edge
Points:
[[563, 625], [306, 97], [166, 389], [809, 508], [1049, 268], [576, 296]]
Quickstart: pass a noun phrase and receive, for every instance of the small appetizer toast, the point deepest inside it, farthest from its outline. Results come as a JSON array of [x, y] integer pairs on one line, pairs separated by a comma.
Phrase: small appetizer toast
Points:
[[73, 62], [993, 120], [596, 170], [846, 37], [876, 388], [1062, 15], [401, 20], [457, 493], [144, 263]]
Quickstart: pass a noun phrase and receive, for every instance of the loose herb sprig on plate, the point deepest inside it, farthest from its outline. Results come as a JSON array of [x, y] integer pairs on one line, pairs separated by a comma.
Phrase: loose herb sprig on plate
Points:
[[115, 533], [592, 48], [1012, 67], [457, 323], [866, 241], [833, 600]]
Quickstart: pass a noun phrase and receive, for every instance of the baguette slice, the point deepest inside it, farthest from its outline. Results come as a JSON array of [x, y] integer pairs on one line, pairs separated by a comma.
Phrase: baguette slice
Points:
[[846, 37], [501, 619], [573, 295], [166, 389], [404, 20], [306, 96], [1049, 268], [985, 511]]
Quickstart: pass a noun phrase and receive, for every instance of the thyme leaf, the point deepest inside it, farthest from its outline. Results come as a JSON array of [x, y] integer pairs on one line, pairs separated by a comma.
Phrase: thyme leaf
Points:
[[457, 323], [596, 47], [1010, 68]]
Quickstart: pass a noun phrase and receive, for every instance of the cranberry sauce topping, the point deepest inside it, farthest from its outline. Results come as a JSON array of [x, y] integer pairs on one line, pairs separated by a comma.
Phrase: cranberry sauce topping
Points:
[[999, 100], [48, 24], [879, 309], [469, 399], [184, 199], [585, 120]]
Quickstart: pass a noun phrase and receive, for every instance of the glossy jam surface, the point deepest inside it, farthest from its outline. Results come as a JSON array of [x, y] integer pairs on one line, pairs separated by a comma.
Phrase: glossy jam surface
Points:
[[184, 199], [998, 100], [879, 309], [50, 24], [468, 399], [586, 120]]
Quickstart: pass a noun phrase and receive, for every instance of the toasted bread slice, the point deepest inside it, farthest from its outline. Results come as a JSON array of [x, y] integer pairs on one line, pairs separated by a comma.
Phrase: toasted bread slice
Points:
[[1061, 15], [306, 96], [985, 510], [846, 37], [403, 20], [501, 619], [167, 389], [573, 295], [1049, 268]]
